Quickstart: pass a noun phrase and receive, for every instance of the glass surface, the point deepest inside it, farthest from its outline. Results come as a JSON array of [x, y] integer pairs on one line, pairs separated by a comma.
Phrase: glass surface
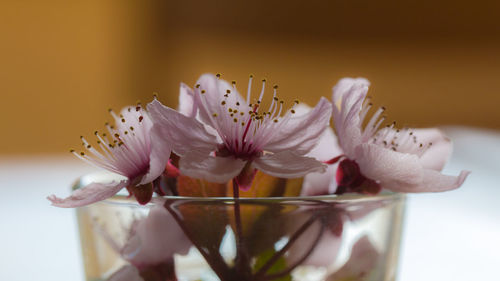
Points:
[[186, 238]]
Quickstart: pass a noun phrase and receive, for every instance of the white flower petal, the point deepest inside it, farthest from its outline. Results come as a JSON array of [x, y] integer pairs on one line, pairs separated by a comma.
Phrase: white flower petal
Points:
[[403, 172], [392, 169], [152, 239], [287, 164], [210, 168], [187, 104], [434, 181], [158, 158], [436, 156], [301, 133], [89, 194], [323, 183], [184, 133], [210, 101], [348, 96]]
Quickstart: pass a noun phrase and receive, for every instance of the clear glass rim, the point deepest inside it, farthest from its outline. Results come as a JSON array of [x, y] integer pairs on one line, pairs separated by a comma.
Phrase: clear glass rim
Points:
[[123, 198]]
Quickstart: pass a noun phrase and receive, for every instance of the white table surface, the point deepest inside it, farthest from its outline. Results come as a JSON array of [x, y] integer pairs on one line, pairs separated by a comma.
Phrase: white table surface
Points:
[[447, 236]]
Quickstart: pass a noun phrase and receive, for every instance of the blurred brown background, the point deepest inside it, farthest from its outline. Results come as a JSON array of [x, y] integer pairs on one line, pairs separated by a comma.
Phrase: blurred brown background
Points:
[[63, 63]]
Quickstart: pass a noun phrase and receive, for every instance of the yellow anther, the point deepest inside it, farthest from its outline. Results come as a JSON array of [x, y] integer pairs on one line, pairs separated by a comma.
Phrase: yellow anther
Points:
[[123, 120], [275, 120], [296, 101], [235, 120], [214, 115], [230, 110], [275, 86], [293, 111], [223, 102], [197, 86], [202, 91], [228, 91]]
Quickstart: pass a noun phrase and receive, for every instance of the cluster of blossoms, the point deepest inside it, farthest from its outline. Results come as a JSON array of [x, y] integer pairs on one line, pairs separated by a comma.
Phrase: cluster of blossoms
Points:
[[218, 136]]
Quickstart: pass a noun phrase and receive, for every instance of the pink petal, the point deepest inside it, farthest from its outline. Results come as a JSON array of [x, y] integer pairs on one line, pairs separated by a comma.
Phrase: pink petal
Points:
[[323, 183], [287, 164], [186, 101], [364, 258], [434, 181], [210, 168], [392, 169], [438, 154], [348, 97], [210, 101], [402, 172], [325, 251], [301, 133], [184, 133], [155, 239], [89, 194], [159, 155]]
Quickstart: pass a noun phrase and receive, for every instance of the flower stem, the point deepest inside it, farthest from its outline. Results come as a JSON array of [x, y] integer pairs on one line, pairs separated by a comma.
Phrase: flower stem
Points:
[[242, 259], [216, 262], [282, 251], [297, 263]]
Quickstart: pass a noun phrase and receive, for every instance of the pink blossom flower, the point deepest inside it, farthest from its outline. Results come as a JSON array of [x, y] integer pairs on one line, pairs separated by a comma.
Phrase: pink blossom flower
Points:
[[406, 160], [155, 239], [150, 246], [133, 150], [232, 135], [363, 260]]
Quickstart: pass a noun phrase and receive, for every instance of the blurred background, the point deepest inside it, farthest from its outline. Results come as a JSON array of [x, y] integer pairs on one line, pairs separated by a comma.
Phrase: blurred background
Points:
[[64, 63]]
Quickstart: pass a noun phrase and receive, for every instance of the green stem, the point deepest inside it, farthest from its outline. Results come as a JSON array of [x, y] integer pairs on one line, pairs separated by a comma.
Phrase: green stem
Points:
[[242, 259], [216, 262], [282, 251]]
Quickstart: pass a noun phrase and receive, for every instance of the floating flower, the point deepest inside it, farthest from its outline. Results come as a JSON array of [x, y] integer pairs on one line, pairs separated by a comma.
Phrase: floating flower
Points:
[[233, 137], [132, 149], [406, 160]]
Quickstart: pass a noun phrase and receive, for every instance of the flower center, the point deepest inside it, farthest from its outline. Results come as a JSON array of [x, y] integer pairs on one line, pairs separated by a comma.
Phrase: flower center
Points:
[[245, 127], [350, 179], [126, 149]]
